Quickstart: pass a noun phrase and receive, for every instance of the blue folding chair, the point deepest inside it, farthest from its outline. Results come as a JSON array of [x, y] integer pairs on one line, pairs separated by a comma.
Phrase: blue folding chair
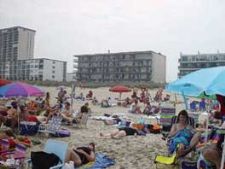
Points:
[[59, 148]]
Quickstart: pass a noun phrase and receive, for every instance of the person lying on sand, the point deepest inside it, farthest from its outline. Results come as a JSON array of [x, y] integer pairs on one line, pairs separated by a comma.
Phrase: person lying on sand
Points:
[[82, 155], [124, 131]]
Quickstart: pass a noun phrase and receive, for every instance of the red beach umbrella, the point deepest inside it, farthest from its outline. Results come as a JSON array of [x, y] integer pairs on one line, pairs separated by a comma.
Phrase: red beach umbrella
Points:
[[4, 82], [119, 89]]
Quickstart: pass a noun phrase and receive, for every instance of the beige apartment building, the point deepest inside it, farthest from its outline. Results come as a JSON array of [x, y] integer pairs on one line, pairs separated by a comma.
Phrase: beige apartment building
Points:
[[139, 66]]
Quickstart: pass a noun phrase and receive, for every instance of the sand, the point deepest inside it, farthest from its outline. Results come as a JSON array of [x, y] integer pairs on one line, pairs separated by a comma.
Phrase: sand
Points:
[[130, 152]]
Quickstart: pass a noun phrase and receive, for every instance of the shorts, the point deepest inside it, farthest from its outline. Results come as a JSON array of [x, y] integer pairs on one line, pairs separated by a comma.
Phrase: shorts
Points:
[[129, 131]]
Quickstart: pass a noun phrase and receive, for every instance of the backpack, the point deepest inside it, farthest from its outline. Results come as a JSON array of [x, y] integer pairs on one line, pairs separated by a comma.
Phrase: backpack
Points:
[[43, 160]]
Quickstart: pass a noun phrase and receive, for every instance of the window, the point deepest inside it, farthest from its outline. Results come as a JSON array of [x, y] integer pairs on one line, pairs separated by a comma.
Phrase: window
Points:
[[53, 71], [53, 77]]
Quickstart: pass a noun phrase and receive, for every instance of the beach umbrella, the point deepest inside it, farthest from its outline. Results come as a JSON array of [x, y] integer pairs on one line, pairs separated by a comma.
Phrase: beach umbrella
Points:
[[119, 89], [208, 81], [4, 82], [17, 89]]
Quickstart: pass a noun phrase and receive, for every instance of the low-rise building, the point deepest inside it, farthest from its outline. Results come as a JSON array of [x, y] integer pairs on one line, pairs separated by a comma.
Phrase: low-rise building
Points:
[[140, 66], [39, 69], [192, 62]]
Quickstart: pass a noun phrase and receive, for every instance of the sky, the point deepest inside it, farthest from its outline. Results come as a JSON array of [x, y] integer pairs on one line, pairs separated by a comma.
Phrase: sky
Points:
[[68, 27]]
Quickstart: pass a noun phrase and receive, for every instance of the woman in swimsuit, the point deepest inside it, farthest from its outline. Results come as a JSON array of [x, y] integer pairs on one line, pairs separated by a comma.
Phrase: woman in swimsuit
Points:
[[82, 155], [121, 132]]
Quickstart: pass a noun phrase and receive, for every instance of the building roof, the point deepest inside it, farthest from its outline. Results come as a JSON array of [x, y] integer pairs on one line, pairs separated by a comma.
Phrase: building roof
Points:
[[18, 27], [202, 54], [44, 59], [104, 54]]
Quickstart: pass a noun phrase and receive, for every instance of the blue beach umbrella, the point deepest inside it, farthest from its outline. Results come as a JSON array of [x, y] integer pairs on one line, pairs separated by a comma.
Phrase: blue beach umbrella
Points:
[[209, 81]]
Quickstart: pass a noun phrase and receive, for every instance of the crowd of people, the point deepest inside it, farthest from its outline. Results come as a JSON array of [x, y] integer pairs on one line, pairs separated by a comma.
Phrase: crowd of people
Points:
[[182, 139]]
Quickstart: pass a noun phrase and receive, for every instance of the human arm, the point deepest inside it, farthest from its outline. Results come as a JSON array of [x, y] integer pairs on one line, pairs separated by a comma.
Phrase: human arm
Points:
[[173, 131], [90, 157]]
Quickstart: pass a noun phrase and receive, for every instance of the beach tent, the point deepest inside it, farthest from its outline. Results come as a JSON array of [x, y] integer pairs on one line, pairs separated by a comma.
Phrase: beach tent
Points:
[[119, 89]]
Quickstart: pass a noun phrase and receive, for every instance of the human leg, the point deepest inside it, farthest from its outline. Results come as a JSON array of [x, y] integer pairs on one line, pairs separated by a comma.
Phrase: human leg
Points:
[[73, 156], [194, 141], [211, 154], [109, 135], [119, 134]]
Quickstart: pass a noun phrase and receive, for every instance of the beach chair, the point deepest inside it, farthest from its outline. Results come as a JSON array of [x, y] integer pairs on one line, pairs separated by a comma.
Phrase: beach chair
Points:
[[56, 147], [83, 122], [166, 115], [52, 127]]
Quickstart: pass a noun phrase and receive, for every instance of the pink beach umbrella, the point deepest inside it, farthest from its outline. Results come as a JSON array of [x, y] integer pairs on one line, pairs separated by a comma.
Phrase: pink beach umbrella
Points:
[[17, 89]]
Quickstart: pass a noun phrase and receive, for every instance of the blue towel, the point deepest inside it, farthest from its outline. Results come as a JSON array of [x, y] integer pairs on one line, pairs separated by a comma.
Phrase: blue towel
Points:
[[102, 161]]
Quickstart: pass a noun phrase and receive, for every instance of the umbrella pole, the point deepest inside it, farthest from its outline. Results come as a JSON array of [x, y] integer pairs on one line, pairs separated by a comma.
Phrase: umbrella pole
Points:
[[223, 154], [120, 95], [175, 102], [185, 101]]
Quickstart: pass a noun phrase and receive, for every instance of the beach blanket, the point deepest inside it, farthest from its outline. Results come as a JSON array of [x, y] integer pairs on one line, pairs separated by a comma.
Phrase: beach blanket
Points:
[[183, 136], [102, 161]]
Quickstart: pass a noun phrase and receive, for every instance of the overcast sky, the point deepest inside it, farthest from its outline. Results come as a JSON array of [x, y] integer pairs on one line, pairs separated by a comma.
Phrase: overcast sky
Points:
[[68, 27]]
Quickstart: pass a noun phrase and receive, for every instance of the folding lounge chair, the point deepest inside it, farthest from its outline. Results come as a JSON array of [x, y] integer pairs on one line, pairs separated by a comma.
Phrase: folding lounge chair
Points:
[[52, 127], [83, 122], [59, 148], [166, 116]]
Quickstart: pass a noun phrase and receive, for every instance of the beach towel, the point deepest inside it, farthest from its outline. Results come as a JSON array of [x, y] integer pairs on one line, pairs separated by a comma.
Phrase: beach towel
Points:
[[183, 136], [102, 161]]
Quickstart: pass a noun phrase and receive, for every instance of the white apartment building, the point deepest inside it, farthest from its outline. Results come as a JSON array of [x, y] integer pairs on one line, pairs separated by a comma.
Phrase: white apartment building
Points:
[[192, 62], [41, 69], [17, 58]]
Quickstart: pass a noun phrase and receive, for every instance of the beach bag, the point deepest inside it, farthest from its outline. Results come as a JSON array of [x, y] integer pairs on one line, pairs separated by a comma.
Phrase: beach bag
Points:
[[155, 129], [187, 164], [28, 128], [43, 160], [62, 133]]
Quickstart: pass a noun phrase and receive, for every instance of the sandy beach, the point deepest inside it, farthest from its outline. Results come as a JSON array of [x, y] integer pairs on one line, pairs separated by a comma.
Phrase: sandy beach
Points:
[[130, 152]]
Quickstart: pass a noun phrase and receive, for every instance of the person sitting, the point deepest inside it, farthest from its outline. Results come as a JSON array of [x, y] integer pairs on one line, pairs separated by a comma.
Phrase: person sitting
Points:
[[89, 95], [55, 110], [135, 108], [211, 155], [147, 109], [134, 95], [94, 101], [142, 95], [11, 119], [105, 103], [126, 102], [180, 134], [202, 105], [166, 98], [82, 155], [79, 116], [67, 113]]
